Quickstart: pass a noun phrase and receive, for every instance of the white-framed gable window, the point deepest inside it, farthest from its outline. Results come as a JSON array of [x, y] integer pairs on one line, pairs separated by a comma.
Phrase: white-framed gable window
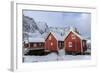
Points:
[[51, 43], [73, 36], [50, 37], [70, 44]]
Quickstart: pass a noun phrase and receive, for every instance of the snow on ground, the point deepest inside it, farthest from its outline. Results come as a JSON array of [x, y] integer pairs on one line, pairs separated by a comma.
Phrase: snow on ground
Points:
[[88, 50], [50, 57], [55, 57]]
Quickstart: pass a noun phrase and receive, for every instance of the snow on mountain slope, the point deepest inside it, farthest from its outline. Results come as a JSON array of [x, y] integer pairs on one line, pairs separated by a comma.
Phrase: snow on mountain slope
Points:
[[31, 28], [29, 25], [42, 27]]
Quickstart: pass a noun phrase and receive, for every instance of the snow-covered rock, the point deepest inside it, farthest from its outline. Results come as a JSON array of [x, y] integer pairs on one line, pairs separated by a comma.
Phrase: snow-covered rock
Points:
[[29, 24], [31, 28], [42, 27]]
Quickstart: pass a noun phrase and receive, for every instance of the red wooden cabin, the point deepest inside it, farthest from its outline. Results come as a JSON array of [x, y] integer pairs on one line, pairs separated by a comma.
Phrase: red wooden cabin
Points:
[[53, 42], [74, 43]]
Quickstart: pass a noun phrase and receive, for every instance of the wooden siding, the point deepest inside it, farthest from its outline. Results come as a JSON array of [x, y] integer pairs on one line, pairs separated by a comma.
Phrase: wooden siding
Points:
[[51, 44], [76, 43]]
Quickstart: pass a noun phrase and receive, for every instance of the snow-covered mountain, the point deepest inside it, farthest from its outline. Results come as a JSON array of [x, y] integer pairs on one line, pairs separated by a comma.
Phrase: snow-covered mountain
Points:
[[42, 27], [59, 30], [31, 27]]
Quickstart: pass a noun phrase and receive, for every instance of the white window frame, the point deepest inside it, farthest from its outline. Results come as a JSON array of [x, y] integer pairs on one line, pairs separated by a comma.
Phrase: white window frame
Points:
[[70, 44], [51, 43], [73, 36]]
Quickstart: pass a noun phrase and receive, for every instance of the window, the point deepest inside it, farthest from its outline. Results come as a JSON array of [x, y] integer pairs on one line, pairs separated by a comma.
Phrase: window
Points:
[[35, 45], [31, 44], [51, 44], [73, 36], [60, 44], [40, 44], [83, 44], [69, 44], [49, 37]]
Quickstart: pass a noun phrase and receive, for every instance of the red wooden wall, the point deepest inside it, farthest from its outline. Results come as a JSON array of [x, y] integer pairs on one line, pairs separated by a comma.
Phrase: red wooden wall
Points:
[[76, 43], [48, 45]]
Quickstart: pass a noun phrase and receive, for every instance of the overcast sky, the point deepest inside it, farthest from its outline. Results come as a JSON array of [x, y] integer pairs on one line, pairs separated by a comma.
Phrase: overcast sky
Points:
[[82, 21]]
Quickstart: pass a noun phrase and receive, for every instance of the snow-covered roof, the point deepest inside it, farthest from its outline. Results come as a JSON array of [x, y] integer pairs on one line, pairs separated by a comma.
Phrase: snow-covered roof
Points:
[[71, 30], [36, 39], [57, 36], [78, 35], [25, 40]]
